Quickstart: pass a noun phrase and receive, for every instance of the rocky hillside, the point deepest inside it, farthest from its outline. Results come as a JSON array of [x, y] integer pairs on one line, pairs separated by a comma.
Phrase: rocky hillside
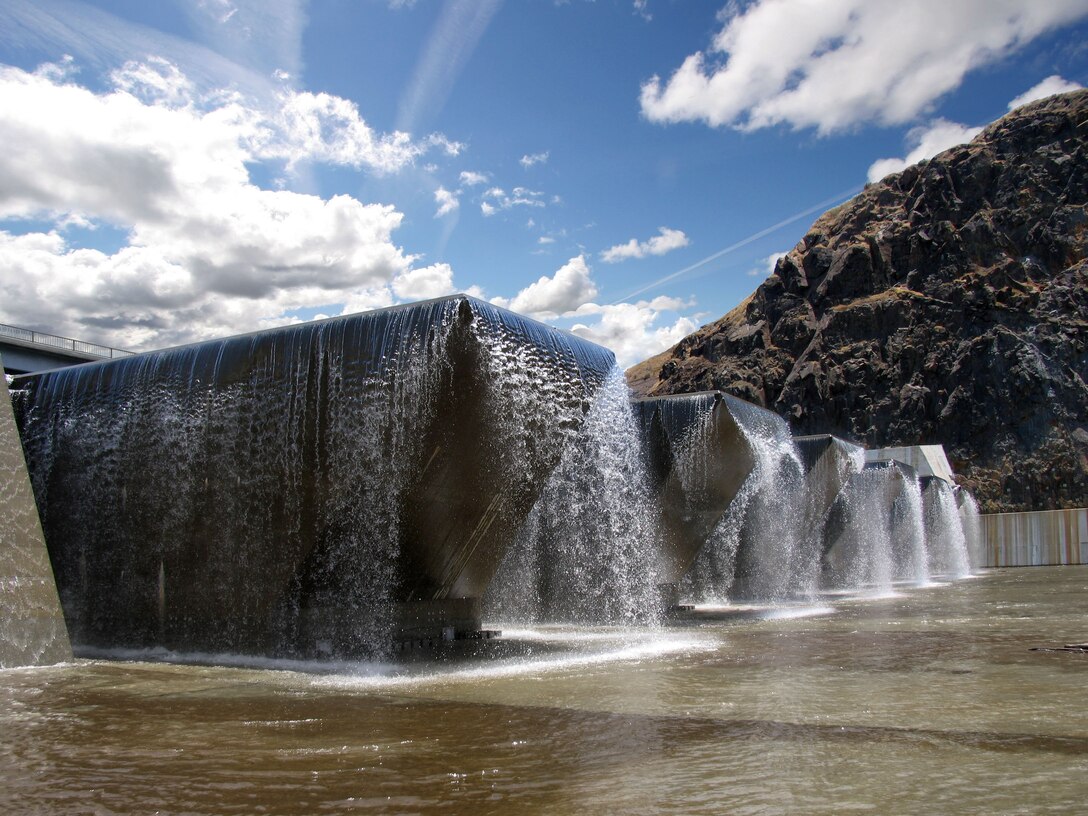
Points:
[[945, 304]]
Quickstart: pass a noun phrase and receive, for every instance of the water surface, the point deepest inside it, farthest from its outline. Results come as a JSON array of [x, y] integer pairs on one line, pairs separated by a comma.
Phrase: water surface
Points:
[[931, 701]]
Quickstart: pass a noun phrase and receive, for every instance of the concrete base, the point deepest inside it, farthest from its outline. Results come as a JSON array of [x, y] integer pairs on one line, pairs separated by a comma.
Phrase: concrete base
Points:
[[32, 630]]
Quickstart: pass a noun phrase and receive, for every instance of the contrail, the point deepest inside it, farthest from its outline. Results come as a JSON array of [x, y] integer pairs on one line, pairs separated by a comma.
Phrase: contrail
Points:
[[743, 242], [453, 39]]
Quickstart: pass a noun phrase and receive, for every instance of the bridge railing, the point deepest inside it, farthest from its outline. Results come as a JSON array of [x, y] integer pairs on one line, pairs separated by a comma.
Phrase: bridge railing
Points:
[[57, 342]]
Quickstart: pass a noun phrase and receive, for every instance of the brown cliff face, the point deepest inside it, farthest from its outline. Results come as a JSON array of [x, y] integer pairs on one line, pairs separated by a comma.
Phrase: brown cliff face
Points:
[[945, 304]]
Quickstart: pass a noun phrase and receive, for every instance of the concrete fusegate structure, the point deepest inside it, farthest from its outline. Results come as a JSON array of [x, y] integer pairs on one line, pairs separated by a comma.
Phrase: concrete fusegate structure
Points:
[[1041, 538], [927, 460], [32, 630], [329, 488], [828, 463], [698, 457]]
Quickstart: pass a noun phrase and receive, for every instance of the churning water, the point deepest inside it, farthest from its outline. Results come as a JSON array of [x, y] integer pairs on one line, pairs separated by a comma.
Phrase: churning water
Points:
[[929, 702], [949, 551], [587, 553]]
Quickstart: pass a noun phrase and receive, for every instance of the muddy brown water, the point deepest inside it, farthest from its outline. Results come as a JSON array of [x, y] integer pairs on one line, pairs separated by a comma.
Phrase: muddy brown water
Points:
[[930, 702]]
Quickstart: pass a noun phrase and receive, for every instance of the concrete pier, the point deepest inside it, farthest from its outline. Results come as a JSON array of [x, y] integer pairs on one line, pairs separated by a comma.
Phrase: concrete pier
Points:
[[32, 630]]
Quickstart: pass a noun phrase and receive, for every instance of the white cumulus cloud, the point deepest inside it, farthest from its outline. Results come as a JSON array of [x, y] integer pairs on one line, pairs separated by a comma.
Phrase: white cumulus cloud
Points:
[[635, 331], [926, 143], [940, 134], [447, 202], [765, 268], [424, 283], [834, 64], [206, 251], [550, 297], [1053, 84], [665, 241], [496, 198], [471, 178]]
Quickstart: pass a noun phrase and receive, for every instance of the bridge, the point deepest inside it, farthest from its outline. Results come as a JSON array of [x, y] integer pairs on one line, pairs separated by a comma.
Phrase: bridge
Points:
[[26, 350]]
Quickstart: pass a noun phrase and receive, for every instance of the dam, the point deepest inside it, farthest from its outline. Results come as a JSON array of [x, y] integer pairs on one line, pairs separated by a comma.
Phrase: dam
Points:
[[345, 488], [437, 555]]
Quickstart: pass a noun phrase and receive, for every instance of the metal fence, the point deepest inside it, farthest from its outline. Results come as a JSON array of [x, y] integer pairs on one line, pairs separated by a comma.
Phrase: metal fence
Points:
[[65, 343]]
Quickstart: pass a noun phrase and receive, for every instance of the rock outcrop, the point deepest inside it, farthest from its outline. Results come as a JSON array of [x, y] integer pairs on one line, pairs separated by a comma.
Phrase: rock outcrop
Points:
[[946, 304]]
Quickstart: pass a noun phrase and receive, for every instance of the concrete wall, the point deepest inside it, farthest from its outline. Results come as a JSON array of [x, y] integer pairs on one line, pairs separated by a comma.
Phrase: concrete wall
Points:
[[32, 630], [928, 460], [1051, 537]]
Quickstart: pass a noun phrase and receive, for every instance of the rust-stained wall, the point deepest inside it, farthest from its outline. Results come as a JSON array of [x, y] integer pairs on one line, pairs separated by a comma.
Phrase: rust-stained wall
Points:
[[1042, 538]]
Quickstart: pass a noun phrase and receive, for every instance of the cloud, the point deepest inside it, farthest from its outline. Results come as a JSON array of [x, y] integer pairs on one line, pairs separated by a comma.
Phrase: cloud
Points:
[[1053, 84], [326, 128], [766, 266], [666, 241], [940, 134], [447, 202], [529, 160], [471, 178], [550, 297], [836, 64], [425, 283], [496, 198], [928, 141], [634, 331], [207, 251]]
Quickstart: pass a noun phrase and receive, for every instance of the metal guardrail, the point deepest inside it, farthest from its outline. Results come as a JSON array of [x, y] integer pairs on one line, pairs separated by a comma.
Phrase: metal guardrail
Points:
[[65, 343]]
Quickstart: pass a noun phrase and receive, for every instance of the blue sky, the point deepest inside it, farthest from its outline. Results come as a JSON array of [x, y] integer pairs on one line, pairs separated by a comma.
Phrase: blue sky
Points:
[[626, 169]]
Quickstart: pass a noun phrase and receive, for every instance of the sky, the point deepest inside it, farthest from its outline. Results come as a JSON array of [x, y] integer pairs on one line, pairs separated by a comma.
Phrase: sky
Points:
[[624, 169]]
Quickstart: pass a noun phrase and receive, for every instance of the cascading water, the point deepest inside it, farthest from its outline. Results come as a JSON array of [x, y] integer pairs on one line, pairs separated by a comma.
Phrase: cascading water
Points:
[[773, 562], [949, 554], [713, 572], [698, 460], [972, 526], [908, 530], [758, 550], [859, 553], [587, 553], [313, 489]]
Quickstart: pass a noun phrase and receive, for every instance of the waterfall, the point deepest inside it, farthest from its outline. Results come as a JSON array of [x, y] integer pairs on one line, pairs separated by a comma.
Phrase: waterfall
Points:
[[319, 489], [972, 526], [772, 563], [588, 551], [949, 555], [859, 551], [758, 551], [909, 535]]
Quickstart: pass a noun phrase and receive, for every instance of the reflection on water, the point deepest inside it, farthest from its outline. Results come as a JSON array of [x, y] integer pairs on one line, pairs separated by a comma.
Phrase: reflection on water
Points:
[[927, 702]]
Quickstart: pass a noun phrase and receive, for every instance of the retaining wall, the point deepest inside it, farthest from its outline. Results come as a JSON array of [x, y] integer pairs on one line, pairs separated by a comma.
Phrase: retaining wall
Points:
[[1043, 538]]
